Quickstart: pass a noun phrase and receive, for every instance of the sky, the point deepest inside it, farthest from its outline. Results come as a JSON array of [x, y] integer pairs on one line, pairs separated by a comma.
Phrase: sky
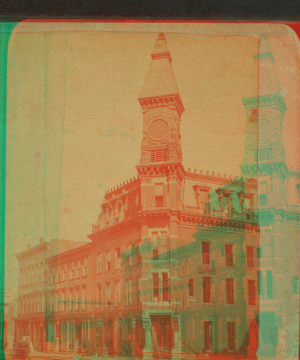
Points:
[[74, 123]]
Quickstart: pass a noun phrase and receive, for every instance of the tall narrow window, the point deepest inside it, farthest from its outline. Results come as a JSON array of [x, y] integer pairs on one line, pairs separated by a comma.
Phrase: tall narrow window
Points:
[[118, 292], [207, 290], [269, 284], [267, 237], [109, 261], [83, 298], [259, 282], [71, 300], [191, 287], [205, 253], [159, 195], [130, 291], [228, 254], [155, 253], [79, 269], [262, 190], [250, 257], [258, 252], [208, 335], [251, 292], [295, 285], [155, 285], [231, 335], [99, 296], [165, 277], [230, 291]]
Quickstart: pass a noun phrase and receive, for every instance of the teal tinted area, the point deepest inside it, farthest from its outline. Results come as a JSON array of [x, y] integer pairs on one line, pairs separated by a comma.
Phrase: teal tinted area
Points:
[[5, 32]]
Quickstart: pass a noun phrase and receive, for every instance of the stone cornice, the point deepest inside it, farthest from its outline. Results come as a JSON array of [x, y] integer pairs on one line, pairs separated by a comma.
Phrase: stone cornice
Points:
[[264, 169], [163, 100], [257, 102], [215, 223], [161, 169]]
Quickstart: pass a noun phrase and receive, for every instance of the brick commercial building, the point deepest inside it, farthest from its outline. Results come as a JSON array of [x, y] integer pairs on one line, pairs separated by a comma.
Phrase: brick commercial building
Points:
[[180, 263]]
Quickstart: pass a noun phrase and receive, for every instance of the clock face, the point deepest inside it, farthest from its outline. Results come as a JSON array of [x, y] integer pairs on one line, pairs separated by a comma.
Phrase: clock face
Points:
[[158, 129]]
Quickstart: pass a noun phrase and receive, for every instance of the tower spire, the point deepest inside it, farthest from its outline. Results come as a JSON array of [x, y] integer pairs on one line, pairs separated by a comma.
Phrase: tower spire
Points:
[[160, 81]]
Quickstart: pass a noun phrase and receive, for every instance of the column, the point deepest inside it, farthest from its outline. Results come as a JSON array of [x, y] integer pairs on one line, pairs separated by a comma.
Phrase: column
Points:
[[116, 337], [148, 350], [133, 338], [104, 332], [177, 349]]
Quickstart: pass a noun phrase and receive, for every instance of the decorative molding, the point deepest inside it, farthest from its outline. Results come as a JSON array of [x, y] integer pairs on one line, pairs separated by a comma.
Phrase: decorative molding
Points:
[[267, 55], [256, 102], [158, 101]]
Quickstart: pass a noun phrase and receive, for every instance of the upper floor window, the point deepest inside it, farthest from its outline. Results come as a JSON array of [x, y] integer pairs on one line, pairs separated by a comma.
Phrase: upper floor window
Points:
[[155, 253], [78, 269], [250, 257], [159, 195], [206, 253], [84, 268], [228, 254], [99, 295], [83, 299], [207, 290], [155, 285], [262, 153], [230, 291], [108, 267], [191, 287], [165, 277], [118, 292], [295, 285], [269, 276], [251, 292], [159, 155], [259, 280], [262, 191]]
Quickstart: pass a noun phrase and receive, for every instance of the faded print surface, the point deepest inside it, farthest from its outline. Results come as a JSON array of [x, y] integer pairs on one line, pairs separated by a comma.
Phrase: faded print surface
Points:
[[178, 262]]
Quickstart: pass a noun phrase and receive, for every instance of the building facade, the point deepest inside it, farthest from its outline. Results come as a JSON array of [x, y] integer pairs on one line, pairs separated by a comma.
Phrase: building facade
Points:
[[180, 263]]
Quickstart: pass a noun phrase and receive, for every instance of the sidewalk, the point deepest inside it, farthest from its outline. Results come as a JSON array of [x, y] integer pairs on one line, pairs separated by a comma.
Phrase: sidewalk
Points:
[[72, 356]]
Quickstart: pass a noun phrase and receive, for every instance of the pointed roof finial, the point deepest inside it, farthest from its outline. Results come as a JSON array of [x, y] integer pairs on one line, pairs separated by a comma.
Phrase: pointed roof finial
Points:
[[160, 49]]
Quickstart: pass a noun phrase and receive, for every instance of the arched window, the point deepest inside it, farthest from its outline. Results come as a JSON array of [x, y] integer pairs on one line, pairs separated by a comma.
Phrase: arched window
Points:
[[118, 292], [191, 287], [109, 294], [71, 271]]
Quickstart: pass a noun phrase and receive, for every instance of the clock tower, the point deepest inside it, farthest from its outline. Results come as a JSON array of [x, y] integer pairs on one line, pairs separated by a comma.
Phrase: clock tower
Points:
[[160, 167], [264, 145], [162, 108], [264, 159]]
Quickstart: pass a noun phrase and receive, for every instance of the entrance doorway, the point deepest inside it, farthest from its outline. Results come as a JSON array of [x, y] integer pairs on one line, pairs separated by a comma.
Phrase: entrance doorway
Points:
[[162, 335]]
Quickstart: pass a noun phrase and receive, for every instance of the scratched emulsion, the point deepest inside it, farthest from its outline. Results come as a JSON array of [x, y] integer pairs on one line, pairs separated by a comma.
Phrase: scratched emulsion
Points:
[[195, 254]]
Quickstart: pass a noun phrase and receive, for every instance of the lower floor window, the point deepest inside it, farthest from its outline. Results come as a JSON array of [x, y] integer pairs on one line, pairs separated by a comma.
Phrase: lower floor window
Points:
[[207, 335], [231, 335]]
